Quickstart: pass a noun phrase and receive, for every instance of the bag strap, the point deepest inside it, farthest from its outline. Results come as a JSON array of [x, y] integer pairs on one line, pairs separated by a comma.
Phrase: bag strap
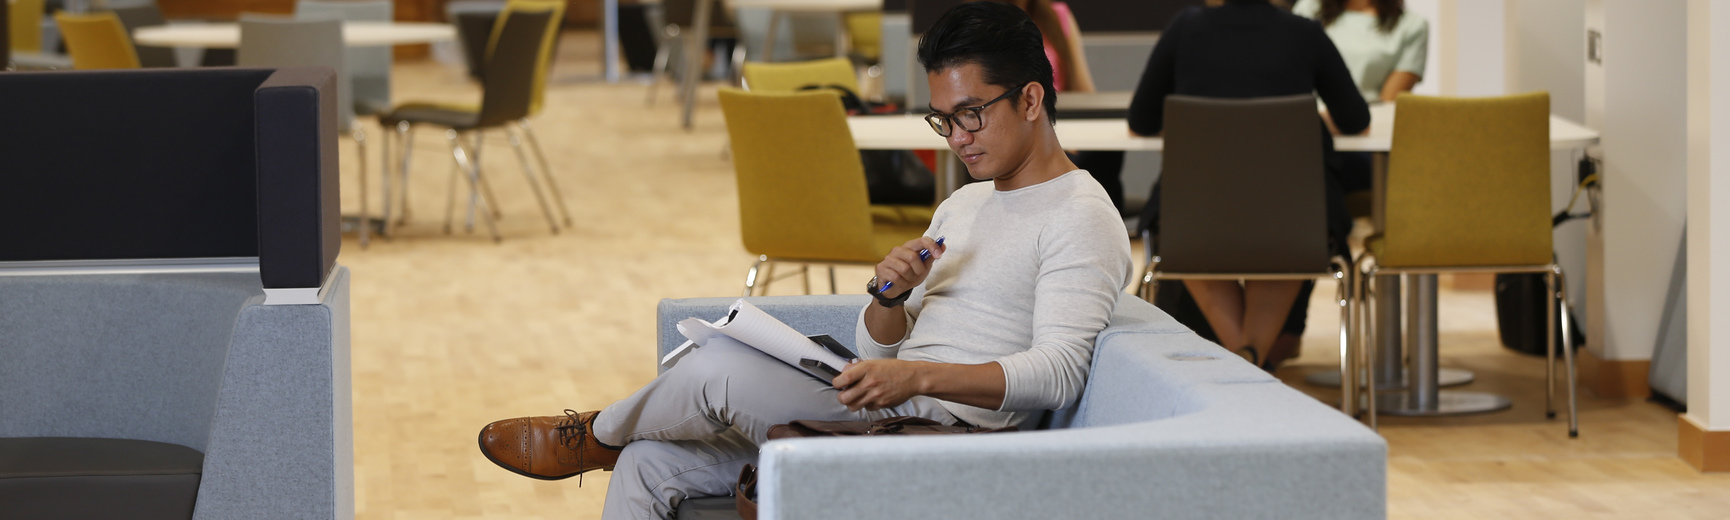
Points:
[[745, 493]]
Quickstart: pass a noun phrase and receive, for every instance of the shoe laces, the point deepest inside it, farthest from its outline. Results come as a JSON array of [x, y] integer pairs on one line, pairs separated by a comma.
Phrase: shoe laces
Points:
[[571, 432]]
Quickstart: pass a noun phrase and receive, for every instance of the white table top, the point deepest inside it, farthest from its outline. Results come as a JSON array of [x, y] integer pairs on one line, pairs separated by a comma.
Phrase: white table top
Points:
[[355, 34], [910, 132], [828, 6]]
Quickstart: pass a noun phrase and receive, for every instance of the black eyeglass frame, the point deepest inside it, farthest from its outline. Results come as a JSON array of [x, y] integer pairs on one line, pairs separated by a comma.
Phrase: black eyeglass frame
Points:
[[937, 119]]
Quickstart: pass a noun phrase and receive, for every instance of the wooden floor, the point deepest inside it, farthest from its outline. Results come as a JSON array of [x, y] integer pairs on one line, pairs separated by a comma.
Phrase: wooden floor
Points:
[[453, 331]]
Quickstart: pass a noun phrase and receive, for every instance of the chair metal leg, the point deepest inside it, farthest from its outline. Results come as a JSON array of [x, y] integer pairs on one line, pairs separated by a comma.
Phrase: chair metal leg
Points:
[[1342, 292], [833, 289], [474, 175], [769, 278], [384, 182], [403, 129], [751, 277], [805, 277], [1366, 351], [558, 195], [451, 192], [492, 201], [662, 56], [1561, 293], [365, 217], [529, 174], [1550, 345]]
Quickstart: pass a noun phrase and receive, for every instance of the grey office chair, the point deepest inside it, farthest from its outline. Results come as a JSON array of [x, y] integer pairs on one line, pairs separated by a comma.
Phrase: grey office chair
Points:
[[1243, 197], [368, 67], [512, 75], [145, 15], [272, 41]]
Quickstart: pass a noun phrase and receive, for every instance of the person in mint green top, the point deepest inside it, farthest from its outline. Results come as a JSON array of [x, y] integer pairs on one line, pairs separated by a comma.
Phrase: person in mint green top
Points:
[[1383, 44]]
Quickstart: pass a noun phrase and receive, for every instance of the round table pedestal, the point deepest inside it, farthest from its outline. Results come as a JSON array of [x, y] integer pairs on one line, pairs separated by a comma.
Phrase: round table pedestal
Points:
[[1447, 377], [1448, 402]]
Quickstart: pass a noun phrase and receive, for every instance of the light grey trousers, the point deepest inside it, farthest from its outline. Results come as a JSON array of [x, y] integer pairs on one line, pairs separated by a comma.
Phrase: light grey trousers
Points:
[[690, 431]]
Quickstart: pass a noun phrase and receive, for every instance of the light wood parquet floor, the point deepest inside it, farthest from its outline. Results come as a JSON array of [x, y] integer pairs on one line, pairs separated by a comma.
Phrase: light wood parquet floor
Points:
[[451, 332]]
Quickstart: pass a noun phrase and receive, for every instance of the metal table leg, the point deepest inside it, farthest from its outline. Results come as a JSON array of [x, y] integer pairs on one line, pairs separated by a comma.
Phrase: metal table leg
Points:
[[610, 39], [1423, 397], [694, 52]]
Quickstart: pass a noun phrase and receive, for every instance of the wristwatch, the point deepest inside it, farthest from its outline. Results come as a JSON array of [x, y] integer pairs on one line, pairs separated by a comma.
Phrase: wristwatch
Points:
[[871, 287]]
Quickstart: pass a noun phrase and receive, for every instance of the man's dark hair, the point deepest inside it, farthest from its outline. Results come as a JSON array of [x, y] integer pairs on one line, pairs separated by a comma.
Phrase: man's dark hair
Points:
[[1000, 38]]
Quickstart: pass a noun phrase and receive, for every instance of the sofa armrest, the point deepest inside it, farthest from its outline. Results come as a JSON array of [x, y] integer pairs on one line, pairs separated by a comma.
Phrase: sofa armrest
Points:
[[282, 440], [298, 201], [835, 315]]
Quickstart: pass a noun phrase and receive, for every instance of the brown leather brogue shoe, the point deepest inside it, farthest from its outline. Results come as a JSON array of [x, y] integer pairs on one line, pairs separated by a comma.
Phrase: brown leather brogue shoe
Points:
[[547, 448]]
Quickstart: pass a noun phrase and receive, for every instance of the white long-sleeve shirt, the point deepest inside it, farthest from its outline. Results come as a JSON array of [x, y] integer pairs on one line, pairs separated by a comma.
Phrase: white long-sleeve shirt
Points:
[[1028, 278]]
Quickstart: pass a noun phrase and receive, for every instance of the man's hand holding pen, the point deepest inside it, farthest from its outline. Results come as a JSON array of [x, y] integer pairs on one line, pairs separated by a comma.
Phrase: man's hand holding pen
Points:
[[907, 265]]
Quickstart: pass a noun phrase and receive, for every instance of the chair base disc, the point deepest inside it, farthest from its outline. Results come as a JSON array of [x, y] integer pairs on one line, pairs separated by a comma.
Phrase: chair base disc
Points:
[[1446, 376], [1448, 403]]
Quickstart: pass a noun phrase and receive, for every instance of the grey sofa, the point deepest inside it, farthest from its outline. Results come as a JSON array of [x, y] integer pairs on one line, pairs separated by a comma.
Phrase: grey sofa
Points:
[[173, 324], [193, 360], [1170, 426]]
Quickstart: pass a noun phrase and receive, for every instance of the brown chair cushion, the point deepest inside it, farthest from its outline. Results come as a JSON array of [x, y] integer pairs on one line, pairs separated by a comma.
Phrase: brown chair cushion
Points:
[[73, 478]]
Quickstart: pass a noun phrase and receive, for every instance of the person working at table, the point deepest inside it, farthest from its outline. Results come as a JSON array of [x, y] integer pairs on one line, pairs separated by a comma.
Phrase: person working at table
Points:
[[1384, 46], [994, 327], [1247, 49]]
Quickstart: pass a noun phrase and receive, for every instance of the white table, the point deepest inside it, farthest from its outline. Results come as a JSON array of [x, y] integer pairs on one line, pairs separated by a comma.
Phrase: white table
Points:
[[911, 132], [354, 34]]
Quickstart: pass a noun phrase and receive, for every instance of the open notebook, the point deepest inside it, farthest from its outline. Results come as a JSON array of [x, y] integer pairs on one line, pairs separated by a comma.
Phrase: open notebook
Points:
[[820, 356]]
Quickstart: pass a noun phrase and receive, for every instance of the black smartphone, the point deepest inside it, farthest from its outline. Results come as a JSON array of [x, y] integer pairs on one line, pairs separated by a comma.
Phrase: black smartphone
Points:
[[822, 371], [833, 346]]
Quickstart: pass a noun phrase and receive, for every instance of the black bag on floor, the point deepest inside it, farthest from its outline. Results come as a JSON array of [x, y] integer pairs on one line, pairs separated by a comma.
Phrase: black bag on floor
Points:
[[1520, 300], [891, 176]]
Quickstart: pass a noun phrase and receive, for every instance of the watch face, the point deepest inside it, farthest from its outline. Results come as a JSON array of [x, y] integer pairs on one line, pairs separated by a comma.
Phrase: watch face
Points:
[[871, 286]]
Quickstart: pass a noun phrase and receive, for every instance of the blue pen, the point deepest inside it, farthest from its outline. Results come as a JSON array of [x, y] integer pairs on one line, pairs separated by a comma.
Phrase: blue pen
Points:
[[924, 256]]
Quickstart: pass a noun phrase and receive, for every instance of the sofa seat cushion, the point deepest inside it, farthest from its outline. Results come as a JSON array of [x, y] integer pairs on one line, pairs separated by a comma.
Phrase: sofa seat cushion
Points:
[[71, 478]]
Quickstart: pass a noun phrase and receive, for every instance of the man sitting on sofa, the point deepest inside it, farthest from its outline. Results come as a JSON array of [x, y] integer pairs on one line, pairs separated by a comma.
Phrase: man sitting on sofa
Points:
[[996, 327]]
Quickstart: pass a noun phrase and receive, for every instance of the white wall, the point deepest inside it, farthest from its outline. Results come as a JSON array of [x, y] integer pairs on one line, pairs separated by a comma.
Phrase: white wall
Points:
[[1709, 214], [1546, 51], [1431, 10], [1637, 99]]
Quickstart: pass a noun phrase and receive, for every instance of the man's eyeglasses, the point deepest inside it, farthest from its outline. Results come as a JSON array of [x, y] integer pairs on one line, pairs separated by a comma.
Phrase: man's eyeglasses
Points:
[[967, 118]]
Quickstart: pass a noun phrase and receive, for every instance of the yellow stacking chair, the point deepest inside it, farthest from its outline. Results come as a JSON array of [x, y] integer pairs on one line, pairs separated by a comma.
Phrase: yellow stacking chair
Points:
[[803, 203], [25, 25], [791, 76], [1468, 190], [96, 41], [865, 34]]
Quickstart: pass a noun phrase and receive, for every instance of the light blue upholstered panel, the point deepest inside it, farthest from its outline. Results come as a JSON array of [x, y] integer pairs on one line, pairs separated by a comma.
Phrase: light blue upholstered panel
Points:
[[283, 442], [119, 356]]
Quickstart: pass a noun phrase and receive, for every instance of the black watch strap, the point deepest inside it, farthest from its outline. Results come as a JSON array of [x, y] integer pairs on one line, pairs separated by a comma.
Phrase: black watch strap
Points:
[[885, 300]]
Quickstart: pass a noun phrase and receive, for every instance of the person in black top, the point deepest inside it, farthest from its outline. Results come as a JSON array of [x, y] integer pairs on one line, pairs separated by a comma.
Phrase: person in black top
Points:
[[1246, 49]]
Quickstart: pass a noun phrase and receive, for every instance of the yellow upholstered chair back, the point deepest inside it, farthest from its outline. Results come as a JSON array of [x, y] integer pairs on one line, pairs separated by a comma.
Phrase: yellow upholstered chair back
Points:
[[865, 32], [547, 41], [801, 185], [96, 41], [789, 77], [1468, 182], [25, 17]]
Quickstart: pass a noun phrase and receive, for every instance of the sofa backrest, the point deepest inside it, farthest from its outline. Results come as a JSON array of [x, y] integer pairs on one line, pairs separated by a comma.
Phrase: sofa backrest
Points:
[[1145, 364], [172, 164], [126, 356]]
